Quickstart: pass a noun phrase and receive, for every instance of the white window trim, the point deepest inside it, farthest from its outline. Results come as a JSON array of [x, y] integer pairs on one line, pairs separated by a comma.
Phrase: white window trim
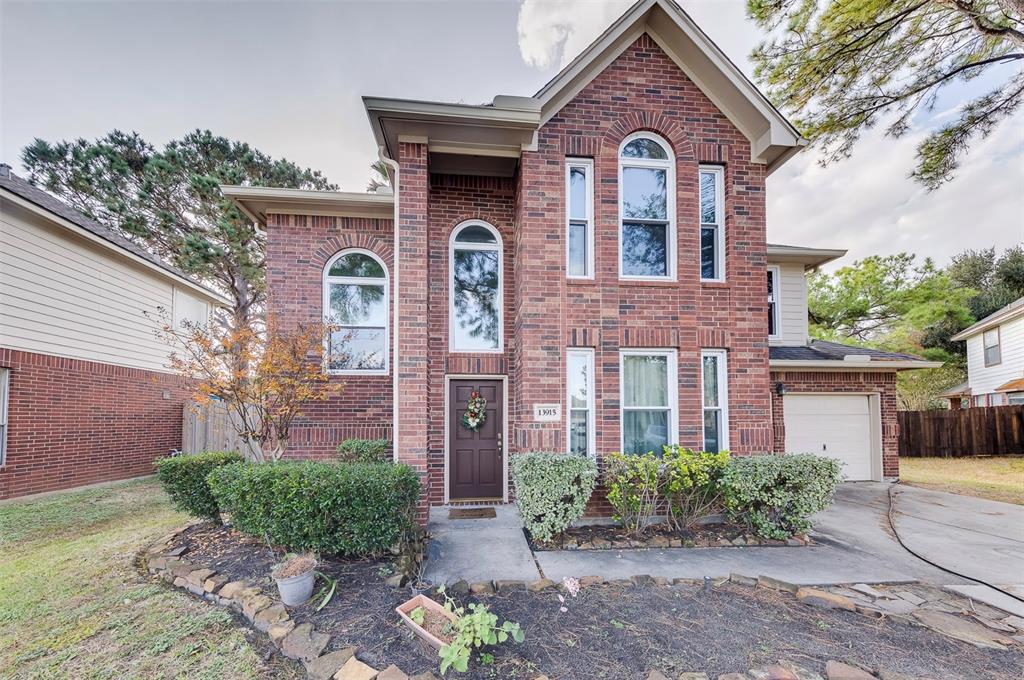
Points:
[[998, 347], [1015, 398], [5, 392], [498, 247], [719, 225], [358, 280], [669, 166], [723, 395], [776, 275], [673, 392], [588, 354], [588, 165]]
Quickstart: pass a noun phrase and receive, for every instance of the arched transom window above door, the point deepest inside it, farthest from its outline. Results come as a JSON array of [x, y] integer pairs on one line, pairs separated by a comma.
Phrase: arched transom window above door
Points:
[[356, 312], [474, 288]]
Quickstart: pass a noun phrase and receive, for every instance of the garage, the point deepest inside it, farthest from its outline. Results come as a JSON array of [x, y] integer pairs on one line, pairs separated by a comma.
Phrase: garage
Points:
[[839, 426]]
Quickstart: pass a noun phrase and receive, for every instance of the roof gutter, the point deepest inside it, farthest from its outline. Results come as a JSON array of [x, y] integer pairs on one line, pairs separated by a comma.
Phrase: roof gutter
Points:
[[396, 301]]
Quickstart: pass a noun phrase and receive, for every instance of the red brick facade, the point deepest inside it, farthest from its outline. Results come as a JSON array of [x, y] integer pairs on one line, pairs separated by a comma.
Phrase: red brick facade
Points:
[[73, 422], [544, 312], [864, 382]]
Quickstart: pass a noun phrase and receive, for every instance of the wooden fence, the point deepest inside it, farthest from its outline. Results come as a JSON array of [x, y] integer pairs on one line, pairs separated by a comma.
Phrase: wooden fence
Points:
[[208, 428], [979, 431]]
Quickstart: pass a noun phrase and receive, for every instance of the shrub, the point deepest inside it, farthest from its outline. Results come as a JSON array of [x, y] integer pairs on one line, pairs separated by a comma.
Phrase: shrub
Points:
[[777, 494], [184, 480], [691, 484], [552, 490], [634, 488], [363, 450], [357, 509]]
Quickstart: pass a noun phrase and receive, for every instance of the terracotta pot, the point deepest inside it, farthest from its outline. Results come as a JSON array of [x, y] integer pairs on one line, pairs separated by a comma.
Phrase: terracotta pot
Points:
[[423, 601]]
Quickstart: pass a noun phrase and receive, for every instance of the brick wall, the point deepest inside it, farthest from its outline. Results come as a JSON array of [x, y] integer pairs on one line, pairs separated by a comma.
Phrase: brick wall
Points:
[[641, 90], [298, 248], [73, 422], [881, 383]]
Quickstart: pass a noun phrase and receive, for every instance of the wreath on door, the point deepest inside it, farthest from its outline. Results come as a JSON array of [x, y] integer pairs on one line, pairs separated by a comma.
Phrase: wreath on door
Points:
[[474, 415]]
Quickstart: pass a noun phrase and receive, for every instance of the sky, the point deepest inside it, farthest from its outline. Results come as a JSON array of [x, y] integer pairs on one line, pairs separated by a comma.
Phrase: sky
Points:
[[287, 77]]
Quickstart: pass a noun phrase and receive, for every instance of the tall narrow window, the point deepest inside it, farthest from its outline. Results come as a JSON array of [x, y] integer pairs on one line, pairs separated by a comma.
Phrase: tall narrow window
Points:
[[712, 224], [474, 310], [580, 383], [579, 189], [647, 241], [773, 302], [990, 342], [649, 391], [5, 388], [356, 312], [714, 386]]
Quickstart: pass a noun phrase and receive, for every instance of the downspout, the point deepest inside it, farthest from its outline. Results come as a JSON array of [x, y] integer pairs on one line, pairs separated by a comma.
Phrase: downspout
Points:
[[395, 302]]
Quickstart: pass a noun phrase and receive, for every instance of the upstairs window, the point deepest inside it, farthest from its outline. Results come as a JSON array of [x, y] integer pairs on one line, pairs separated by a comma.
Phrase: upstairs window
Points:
[[712, 224], [647, 240], [474, 310], [773, 302], [579, 190], [356, 312], [990, 343]]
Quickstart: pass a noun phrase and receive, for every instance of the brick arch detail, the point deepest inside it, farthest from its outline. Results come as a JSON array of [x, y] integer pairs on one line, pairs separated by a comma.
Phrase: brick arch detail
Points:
[[647, 121], [481, 217], [335, 244]]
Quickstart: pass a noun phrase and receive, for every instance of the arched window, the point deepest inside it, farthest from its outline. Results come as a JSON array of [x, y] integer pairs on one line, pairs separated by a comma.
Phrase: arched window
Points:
[[356, 311], [474, 289], [647, 240]]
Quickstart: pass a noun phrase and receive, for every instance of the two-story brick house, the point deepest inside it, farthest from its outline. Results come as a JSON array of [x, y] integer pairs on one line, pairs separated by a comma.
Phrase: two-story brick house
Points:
[[593, 260]]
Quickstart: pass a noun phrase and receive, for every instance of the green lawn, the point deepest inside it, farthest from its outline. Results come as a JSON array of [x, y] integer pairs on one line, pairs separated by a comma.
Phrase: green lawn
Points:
[[73, 605], [998, 478]]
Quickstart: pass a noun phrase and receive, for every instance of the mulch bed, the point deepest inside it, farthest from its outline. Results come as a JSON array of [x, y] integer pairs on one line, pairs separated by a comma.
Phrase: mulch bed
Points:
[[615, 537], [614, 631]]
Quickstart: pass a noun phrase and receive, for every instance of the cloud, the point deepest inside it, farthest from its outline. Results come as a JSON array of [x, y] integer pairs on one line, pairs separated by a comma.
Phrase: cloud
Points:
[[553, 32]]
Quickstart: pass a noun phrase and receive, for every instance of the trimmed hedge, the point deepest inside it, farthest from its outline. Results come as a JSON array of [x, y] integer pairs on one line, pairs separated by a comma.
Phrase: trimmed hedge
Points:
[[552, 490], [184, 480], [363, 450], [777, 494], [356, 509]]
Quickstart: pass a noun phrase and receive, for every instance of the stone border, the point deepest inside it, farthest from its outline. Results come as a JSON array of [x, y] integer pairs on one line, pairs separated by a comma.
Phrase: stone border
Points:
[[268, 615], [660, 542]]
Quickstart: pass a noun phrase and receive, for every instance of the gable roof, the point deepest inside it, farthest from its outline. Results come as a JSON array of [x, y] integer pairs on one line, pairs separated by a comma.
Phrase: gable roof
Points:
[[54, 207], [772, 137], [498, 132], [1010, 311]]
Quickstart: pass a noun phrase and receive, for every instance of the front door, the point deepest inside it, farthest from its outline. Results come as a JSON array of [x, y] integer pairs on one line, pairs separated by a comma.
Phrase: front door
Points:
[[475, 457]]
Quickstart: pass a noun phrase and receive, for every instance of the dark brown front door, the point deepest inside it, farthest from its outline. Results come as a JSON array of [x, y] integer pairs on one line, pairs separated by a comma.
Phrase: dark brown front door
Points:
[[475, 457]]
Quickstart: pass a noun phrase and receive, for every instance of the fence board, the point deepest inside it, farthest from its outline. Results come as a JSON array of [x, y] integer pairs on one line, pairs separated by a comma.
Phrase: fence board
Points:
[[978, 431], [208, 428]]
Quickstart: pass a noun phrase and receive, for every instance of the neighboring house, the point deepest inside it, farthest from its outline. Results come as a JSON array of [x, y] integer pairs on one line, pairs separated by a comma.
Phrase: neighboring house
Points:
[[995, 359], [85, 392], [592, 260]]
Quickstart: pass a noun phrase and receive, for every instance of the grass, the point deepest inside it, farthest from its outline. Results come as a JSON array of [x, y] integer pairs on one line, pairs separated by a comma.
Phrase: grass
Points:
[[998, 478], [73, 605]]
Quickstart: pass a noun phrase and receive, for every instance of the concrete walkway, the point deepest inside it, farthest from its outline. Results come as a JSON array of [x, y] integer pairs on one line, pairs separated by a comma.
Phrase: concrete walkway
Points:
[[979, 538]]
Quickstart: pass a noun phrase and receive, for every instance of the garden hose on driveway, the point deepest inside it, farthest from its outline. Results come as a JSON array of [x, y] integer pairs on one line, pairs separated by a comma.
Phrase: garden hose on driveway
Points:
[[892, 526]]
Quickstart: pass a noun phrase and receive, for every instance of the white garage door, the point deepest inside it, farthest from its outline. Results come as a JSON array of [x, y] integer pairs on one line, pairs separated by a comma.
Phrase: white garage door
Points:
[[837, 426]]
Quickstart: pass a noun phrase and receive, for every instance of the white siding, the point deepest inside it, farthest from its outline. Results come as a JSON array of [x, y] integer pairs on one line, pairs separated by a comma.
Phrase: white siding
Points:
[[985, 379], [61, 294], [792, 305]]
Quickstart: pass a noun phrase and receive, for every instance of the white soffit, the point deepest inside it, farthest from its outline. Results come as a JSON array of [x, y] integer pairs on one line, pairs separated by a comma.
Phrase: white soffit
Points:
[[258, 202]]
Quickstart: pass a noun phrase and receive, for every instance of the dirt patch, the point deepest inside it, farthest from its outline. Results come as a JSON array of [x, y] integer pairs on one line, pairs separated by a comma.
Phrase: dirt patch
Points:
[[614, 632]]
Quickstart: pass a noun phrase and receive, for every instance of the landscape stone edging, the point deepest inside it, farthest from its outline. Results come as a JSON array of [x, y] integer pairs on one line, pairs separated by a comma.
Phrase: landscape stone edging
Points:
[[661, 542], [300, 642]]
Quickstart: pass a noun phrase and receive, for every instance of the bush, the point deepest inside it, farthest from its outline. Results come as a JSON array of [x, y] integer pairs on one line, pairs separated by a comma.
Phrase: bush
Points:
[[552, 490], [363, 450], [692, 484], [634, 488], [184, 480], [777, 494], [356, 509]]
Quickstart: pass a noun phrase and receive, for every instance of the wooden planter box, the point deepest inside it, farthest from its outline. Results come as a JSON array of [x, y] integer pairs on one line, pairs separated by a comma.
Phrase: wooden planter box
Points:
[[423, 601]]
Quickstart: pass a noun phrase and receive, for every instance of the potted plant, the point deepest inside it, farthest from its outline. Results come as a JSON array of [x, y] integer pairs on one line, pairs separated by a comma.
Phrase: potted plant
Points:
[[295, 577], [428, 620]]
